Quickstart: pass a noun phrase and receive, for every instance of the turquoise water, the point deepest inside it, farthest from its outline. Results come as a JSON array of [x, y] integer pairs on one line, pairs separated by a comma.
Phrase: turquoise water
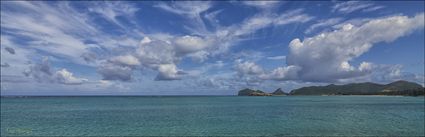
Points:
[[214, 116]]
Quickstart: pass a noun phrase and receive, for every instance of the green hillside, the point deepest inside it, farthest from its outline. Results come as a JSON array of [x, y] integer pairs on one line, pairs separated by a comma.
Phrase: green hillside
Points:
[[366, 88]]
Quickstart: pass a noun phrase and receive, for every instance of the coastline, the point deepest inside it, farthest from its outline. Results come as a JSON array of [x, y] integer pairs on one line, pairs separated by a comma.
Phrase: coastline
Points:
[[159, 96]]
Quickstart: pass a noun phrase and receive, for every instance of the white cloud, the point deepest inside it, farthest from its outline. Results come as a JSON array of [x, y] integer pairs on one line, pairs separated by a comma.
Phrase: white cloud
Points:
[[167, 72], [49, 28], [199, 56], [65, 77], [160, 55], [277, 58], [42, 72], [326, 57], [295, 16], [156, 52], [262, 20], [283, 73], [164, 55], [248, 68], [110, 71], [189, 44], [212, 18], [126, 60], [207, 43], [384, 73], [191, 10], [323, 23], [112, 10], [370, 9], [60, 30], [262, 4], [351, 6], [365, 66]]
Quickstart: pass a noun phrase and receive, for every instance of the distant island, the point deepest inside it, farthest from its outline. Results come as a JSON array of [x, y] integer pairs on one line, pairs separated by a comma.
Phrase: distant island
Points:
[[250, 92], [401, 87]]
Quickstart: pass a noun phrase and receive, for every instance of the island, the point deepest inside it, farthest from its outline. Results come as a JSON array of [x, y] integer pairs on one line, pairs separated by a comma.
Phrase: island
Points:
[[404, 88], [251, 92]]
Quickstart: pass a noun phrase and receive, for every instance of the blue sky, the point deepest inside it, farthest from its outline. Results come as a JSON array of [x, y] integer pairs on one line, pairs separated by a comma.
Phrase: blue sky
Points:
[[206, 48]]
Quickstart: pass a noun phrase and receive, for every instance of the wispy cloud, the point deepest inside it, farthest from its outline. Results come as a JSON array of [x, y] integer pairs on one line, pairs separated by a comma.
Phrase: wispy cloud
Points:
[[191, 10], [60, 30], [351, 6], [277, 58], [265, 5], [323, 23]]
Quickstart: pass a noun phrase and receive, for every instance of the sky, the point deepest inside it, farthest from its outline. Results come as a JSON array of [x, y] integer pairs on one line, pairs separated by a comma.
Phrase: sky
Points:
[[206, 47]]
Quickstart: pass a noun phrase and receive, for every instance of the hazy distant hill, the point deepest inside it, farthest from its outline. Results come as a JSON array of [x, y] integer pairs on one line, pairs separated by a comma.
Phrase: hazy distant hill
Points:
[[279, 92], [368, 88]]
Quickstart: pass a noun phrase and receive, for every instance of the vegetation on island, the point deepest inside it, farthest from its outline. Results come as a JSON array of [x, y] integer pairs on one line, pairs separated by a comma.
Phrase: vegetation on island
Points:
[[251, 92], [404, 88]]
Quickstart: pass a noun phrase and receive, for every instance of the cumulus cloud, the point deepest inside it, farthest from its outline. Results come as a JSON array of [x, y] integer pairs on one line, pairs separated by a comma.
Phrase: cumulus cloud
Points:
[[161, 55], [389, 73], [283, 73], [126, 60], [248, 68], [111, 71], [42, 72], [190, 44], [386, 73], [164, 55], [252, 73], [65, 77], [168, 72], [326, 57]]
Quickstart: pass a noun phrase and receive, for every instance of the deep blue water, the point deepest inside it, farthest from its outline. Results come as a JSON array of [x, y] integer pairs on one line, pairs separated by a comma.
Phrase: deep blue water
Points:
[[214, 116]]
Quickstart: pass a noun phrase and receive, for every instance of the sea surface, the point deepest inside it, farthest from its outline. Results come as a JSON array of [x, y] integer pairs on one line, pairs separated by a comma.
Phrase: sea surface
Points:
[[213, 116]]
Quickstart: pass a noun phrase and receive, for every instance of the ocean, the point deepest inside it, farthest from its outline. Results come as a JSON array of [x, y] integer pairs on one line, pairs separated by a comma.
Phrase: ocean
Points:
[[213, 116]]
